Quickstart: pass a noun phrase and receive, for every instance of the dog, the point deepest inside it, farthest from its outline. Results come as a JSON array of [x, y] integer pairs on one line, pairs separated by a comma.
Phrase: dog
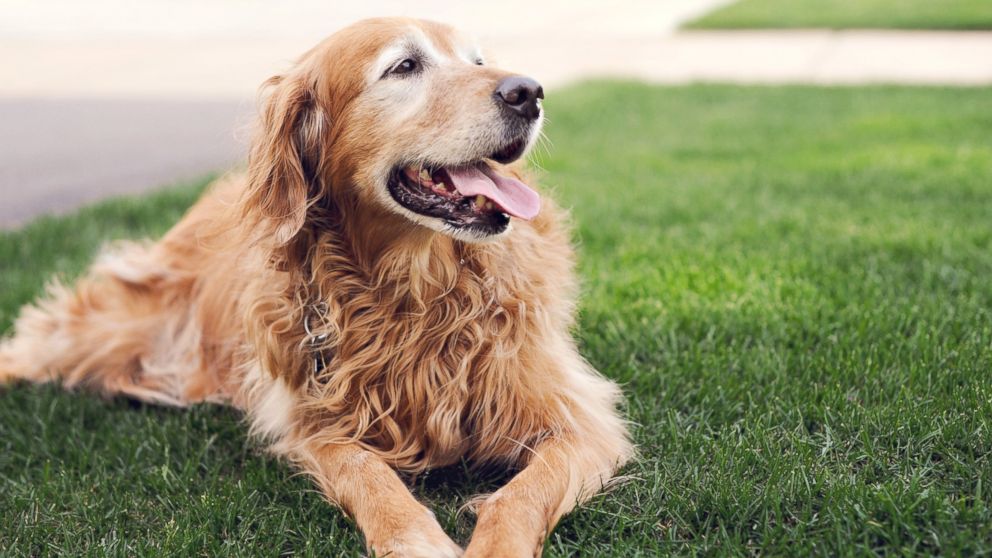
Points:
[[379, 291]]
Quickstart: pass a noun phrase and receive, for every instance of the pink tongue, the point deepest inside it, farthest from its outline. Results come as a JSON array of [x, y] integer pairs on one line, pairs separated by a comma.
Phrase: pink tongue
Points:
[[513, 196]]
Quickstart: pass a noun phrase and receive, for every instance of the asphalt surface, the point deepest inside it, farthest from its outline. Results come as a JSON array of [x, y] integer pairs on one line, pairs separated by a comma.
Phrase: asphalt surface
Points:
[[60, 154]]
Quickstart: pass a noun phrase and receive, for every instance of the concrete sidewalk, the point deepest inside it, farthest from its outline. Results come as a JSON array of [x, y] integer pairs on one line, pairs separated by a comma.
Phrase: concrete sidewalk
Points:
[[231, 69], [808, 56], [110, 96]]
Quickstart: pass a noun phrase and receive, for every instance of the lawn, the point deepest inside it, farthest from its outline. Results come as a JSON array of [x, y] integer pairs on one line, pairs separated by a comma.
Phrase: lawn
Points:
[[793, 285], [850, 14]]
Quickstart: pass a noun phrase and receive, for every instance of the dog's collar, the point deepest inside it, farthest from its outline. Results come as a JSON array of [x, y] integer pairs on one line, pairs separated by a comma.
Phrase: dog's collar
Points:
[[315, 341]]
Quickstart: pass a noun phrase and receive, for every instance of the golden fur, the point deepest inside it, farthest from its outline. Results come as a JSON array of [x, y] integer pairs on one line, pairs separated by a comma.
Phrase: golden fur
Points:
[[438, 348]]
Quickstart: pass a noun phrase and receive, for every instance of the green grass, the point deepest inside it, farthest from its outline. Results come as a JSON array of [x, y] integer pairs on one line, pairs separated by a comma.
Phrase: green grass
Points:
[[850, 14], [792, 283]]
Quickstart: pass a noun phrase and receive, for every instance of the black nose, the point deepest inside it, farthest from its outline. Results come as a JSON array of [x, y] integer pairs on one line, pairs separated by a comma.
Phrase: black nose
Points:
[[521, 95]]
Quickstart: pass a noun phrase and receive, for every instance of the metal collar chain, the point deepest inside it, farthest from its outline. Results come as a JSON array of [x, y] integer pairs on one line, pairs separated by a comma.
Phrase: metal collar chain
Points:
[[314, 341]]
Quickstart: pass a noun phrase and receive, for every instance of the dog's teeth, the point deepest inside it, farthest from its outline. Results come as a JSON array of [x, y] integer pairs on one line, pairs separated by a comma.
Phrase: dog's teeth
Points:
[[480, 200], [425, 176], [489, 205], [442, 185]]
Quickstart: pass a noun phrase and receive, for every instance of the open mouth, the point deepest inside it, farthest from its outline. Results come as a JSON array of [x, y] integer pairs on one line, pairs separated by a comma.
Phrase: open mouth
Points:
[[472, 196]]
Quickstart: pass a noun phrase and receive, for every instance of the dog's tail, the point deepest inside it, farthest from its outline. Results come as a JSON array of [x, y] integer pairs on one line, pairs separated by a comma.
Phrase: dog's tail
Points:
[[30, 353], [63, 337], [110, 333], [8, 367]]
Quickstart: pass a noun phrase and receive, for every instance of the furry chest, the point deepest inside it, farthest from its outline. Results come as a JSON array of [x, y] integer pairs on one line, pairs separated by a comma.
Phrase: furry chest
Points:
[[414, 386]]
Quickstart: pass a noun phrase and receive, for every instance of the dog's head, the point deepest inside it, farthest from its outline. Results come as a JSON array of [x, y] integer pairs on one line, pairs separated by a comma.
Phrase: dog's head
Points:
[[398, 118]]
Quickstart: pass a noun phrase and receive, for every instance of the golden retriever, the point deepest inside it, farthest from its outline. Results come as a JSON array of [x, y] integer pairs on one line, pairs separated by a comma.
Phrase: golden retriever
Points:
[[380, 292]]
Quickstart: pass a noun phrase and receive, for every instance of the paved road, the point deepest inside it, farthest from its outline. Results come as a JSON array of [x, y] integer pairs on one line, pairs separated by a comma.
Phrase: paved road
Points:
[[112, 96], [60, 154]]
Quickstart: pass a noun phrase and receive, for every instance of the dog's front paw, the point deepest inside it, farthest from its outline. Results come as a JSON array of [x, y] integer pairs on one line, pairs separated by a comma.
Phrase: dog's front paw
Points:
[[504, 531], [421, 538], [501, 549], [417, 545], [500, 543]]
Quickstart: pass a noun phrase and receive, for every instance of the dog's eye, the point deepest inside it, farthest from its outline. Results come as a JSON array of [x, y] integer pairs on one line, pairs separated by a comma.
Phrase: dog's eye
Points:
[[478, 62], [407, 66]]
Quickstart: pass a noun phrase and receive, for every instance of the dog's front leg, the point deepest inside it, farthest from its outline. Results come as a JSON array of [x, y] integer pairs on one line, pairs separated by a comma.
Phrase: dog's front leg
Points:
[[368, 490], [563, 471]]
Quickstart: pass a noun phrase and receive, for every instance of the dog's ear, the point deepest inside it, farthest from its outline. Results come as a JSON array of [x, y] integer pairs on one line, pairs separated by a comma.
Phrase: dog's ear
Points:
[[284, 157]]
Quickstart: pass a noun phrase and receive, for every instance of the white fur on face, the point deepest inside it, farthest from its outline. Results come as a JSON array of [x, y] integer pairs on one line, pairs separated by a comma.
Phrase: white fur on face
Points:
[[415, 42], [404, 98]]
